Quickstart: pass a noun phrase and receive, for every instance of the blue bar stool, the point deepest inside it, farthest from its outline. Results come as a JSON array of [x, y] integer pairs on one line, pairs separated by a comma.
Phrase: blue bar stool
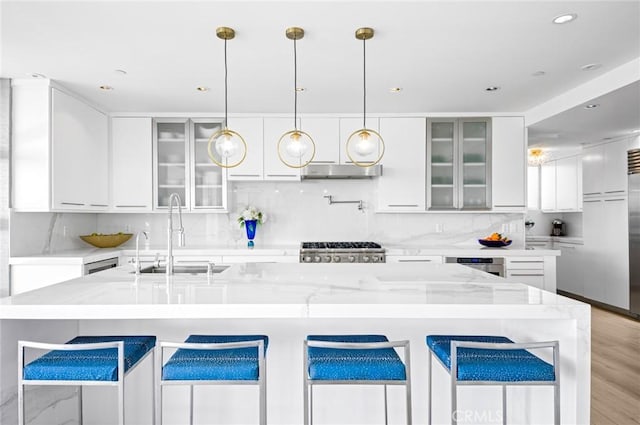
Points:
[[494, 360], [214, 360], [85, 360], [354, 360]]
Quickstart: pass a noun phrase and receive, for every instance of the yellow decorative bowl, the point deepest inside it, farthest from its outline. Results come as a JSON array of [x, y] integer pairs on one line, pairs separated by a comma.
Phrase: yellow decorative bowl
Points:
[[107, 241]]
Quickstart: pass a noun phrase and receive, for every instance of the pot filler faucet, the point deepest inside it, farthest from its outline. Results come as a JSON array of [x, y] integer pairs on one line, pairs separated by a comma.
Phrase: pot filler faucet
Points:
[[173, 198]]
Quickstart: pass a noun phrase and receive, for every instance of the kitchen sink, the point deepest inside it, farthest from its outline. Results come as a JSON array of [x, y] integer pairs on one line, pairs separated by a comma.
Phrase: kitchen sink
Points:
[[200, 269]]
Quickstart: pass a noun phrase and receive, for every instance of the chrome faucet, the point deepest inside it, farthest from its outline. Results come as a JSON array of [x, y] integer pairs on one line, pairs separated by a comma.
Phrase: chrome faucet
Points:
[[173, 198], [137, 263]]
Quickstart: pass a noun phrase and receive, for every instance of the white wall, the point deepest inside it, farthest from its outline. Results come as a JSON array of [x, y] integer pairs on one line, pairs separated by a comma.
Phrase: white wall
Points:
[[299, 212]]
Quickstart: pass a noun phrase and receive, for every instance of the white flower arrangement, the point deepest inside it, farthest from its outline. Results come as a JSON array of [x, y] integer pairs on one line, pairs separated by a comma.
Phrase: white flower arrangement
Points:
[[251, 213]]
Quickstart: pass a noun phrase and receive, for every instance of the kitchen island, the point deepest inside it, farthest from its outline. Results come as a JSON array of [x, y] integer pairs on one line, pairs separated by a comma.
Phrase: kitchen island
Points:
[[287, 302]]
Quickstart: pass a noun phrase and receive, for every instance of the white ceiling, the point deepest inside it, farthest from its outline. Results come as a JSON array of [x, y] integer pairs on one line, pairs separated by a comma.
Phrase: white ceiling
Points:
[[617, 115], [443, 54]]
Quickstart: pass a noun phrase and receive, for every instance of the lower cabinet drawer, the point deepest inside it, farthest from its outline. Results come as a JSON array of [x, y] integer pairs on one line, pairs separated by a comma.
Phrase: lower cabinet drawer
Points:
[[525, 263], [434, 259], [528, 277]]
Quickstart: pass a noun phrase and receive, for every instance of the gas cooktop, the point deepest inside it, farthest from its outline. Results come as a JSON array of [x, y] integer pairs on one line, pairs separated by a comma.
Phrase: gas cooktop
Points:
[[341, 252]]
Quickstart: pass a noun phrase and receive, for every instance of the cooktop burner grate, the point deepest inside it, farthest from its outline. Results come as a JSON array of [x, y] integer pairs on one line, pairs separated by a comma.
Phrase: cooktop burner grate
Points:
[[340, 245]]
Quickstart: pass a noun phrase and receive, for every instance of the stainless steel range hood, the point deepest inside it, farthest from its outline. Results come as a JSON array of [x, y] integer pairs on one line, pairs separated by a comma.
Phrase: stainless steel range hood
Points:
[[340, 171]]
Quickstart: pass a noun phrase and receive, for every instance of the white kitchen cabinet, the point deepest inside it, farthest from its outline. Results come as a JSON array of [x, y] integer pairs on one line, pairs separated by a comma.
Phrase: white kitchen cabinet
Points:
[[560, 190], [183, 166], [347, 127], [605, 169], [548, 186], [508, 163], [274, 168], [615, 168], [615, 250], [535, 271], [567, 184], [593, 262], [570, 271], [459, 163], [326, 134], [402, 185], [27, 277], [252, 168], [59, 150], [131, 161], [433, 259]]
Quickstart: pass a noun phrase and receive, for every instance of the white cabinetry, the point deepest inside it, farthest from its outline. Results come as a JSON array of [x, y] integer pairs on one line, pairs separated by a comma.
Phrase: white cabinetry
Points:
[[531, 271], [274, 169], [59, 150], [326, 134], [183, 165], [570, 271], [252, 167], [508, 163], [605, 169], [27, 277], [560, 188], [131, 164], [402, 186], [347, 127]]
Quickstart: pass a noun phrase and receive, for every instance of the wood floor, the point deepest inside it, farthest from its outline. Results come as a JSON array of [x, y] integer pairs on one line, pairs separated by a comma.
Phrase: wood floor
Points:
[[615, 369]]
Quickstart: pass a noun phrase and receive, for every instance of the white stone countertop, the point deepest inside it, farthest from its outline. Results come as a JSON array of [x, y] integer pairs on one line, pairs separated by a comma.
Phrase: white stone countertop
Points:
[[293, 291], [90, 255]]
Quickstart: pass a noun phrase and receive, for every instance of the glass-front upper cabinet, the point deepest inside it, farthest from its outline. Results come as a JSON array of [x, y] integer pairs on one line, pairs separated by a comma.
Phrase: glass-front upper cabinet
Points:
[[208, 188], [182, 164], [171, 138], [458, 158]]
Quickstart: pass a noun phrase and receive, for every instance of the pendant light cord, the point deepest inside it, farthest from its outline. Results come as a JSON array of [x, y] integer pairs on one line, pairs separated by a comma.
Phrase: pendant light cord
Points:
[[226, 119], [295, 86], [364, 83]]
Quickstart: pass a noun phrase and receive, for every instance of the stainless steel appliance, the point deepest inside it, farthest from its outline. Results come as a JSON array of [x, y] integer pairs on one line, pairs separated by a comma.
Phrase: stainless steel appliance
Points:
[[490, 265], [98, 266], [633, 170], [341, 252], [557, 227]]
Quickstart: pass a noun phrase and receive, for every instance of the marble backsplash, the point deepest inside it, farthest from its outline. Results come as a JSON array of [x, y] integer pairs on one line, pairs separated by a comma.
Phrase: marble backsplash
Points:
[[300, 212]]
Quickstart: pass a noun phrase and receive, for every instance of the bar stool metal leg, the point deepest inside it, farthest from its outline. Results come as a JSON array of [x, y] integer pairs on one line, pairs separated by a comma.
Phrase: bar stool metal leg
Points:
[[190, 404], [429, 384], [504, 405]]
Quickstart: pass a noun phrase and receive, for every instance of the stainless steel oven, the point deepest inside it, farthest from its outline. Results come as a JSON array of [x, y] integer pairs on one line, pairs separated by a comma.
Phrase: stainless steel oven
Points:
[[490, 265]]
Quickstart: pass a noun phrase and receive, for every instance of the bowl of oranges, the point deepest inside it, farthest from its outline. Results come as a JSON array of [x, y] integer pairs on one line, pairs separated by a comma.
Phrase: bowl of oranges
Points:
[[495, 240]]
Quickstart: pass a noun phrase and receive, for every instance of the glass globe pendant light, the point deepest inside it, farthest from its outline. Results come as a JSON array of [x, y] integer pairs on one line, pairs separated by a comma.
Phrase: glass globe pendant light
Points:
[[226, 147], [363, 143], [296, 149]]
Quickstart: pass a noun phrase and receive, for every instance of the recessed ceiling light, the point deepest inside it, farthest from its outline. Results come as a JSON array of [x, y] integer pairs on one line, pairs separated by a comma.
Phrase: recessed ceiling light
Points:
[[300, 89], [395, 89], [36, 75], [202, 88], [120, 72], [564, 18], [106, 88], [492, 88], [539, 73], [591, 66], [591, 106]]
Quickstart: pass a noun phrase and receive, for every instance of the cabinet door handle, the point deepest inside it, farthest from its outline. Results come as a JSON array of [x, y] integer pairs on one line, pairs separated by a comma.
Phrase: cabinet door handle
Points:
[[402, 205], [72, 203], [281, 175], [614, 191], [244, 175], [509, 206], [131, 206], [98, 205], [526, 274], [591, 193], [567, 246], [526, 262], [613, 200], [591, 200]]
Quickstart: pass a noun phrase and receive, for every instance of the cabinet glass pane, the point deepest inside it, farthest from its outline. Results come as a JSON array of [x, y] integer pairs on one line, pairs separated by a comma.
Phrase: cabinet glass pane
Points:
[[474, 164], [171, 172], [442, 196], [442, 164], [207, 175]]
